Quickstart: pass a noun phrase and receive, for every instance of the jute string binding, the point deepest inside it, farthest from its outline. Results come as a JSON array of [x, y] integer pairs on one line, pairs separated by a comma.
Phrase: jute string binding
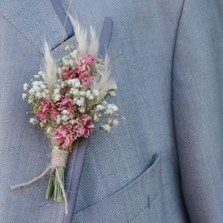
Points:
[[58, 159]]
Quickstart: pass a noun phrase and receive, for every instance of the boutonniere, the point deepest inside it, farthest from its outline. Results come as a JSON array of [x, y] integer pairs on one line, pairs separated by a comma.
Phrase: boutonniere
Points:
[[68, 99]]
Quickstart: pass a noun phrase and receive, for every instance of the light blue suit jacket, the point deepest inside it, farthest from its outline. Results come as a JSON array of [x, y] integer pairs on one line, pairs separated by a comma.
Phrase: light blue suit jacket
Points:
[[164, 162]]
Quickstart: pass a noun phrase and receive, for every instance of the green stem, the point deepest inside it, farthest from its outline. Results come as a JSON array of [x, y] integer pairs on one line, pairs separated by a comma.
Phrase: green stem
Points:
[[54, 191], [50, 187]]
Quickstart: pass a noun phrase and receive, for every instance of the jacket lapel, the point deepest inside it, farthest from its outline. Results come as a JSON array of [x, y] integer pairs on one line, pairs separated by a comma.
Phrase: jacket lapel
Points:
[[36, 20], [32, 21], [45, 20]]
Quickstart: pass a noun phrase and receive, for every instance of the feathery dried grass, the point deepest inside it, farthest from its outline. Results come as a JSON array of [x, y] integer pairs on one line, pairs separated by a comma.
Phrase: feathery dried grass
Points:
[[81, 35], [50, 69], [94, 44], [102, 82]]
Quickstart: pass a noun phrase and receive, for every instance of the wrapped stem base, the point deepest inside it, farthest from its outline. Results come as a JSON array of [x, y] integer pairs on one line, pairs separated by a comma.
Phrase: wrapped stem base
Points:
[[55, 189]]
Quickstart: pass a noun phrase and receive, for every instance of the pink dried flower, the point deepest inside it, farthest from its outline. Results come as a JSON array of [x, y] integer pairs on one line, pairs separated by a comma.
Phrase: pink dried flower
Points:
[[47, 109], [87, 60], [69, 73], [83, 69], [66, 103], [86, 80], [84, 125], [84, 64], [64, 136]]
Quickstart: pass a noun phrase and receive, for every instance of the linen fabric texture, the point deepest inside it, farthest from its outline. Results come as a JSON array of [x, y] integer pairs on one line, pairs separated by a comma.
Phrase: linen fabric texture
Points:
[[163, 163]]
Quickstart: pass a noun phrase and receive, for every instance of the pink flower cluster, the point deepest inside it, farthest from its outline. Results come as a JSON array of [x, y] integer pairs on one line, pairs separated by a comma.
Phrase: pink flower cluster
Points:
[[66, 103], [47, 110], [68, 73], [83, 126], [65, 135], [82, 70]]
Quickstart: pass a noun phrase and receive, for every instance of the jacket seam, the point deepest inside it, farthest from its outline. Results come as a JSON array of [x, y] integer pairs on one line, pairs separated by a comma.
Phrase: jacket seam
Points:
[[172, 88], [148, 206]]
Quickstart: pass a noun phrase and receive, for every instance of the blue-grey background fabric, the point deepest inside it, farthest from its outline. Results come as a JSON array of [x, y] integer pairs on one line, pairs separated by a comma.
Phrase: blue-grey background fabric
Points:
[[198, 108], [163, 163]]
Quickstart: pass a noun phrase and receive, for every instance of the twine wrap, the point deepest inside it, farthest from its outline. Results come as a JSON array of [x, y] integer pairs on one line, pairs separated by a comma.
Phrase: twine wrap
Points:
[[58, 160]]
